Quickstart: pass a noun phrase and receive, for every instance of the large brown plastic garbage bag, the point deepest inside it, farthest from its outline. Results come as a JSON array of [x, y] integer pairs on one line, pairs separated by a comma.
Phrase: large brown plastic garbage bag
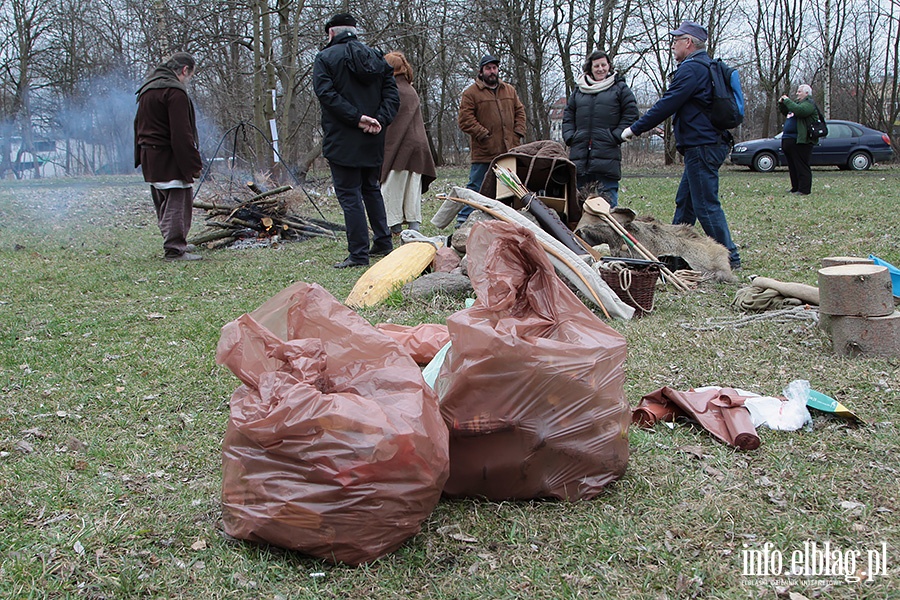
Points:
[[335, 446], [422, 341], [532, 388], [720, 411]]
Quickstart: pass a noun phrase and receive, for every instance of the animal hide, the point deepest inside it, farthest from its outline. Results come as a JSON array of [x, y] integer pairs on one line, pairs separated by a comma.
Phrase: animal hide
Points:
[[702, 253]]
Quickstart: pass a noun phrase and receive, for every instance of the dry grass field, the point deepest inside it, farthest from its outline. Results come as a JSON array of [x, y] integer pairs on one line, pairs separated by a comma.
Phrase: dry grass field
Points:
[[112, 414]]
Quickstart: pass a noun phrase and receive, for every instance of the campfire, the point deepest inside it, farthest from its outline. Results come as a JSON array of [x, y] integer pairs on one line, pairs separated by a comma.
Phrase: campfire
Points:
[[260, 215]]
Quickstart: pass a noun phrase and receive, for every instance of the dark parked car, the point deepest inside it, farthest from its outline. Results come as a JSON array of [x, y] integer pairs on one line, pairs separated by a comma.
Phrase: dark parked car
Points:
[[848, 146]]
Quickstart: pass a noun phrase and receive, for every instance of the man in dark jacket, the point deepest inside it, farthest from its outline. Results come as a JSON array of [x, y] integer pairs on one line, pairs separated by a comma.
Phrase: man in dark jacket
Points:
[[359, 98], [491, 113], [165, 147], [703, 146]]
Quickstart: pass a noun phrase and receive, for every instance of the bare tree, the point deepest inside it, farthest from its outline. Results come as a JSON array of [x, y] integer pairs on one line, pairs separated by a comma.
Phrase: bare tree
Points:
[[653, 48], [595, 26], [65, 63], [519, 32], [776, 28], [831, 18], [886, 98], [30, 20]]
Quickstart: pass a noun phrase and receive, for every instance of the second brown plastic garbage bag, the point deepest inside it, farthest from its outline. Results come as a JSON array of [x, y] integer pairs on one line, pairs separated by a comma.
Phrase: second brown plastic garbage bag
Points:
[[532, 388], [335, 446]]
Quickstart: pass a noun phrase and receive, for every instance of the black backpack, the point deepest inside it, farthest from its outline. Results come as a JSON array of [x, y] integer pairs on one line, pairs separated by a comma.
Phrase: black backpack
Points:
[[816, 130], [727, 108]]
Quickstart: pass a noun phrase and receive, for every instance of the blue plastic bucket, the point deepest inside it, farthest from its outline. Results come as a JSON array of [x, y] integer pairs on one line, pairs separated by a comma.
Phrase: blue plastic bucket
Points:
[[894, 271]]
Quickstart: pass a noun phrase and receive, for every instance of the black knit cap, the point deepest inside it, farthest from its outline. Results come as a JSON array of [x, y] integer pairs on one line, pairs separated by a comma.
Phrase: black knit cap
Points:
[[340, 20], [486, 60]]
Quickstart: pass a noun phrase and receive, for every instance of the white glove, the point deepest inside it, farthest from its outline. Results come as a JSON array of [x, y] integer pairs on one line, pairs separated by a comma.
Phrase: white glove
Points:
[[628, 135]]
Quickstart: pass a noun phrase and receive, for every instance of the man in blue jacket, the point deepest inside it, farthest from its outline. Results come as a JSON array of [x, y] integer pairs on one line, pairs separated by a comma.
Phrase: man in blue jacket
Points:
[[704, 147], [359, 99]]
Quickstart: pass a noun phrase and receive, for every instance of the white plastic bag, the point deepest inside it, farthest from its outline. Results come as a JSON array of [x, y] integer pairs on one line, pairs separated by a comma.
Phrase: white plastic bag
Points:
[[782, 415]]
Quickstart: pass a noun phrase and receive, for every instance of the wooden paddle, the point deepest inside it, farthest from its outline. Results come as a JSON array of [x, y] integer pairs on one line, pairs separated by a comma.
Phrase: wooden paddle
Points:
[[600, 207]]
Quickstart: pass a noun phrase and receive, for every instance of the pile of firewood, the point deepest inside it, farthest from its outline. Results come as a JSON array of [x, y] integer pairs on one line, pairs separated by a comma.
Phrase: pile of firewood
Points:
[[265, 215]]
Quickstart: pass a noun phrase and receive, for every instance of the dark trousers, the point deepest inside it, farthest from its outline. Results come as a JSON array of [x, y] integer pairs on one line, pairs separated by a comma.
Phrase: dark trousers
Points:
[[476, 177], [359, 193], [174, 208], [606, 186], [798, 156], [697, 198]]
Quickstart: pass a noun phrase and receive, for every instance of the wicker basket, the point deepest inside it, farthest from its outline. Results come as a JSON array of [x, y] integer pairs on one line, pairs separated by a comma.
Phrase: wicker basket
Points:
[[634, 287]]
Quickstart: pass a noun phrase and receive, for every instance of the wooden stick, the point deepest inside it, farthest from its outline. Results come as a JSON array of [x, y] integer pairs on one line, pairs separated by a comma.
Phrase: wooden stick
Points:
[[222, 243], [210, 206], [312, 232], [271, 192], [303, 224], [263, 203], [248, 224], [222, 225], [590, 249], [211, 235], [550, 250]]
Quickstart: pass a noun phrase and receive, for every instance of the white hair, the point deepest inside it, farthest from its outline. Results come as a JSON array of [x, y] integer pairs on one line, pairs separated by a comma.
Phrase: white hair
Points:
[[698, 44], [804, 88]]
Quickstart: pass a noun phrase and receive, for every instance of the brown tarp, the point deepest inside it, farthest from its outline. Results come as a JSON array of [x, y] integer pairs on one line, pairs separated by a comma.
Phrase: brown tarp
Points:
[[719, 411]]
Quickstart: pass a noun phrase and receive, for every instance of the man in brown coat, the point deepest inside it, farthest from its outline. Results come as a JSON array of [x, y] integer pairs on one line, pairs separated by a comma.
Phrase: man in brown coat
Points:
[[492, 114], [165, 147]]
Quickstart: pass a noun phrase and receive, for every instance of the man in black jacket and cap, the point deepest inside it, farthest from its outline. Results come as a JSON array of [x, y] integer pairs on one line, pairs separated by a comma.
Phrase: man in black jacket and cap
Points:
[[359, 98]]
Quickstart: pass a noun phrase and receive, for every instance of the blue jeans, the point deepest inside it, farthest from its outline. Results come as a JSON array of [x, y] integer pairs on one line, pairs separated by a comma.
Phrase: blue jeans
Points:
[[608, 187], [476, 177], [697, 198], [359, 193]]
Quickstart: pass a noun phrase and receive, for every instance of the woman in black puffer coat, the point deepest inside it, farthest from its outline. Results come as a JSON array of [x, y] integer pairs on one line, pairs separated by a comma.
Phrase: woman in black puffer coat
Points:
[[599, 109]]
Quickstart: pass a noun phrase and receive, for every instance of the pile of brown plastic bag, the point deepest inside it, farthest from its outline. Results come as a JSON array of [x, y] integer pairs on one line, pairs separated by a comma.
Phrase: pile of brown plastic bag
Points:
[[532, 389], [422, 341], [335, 446]]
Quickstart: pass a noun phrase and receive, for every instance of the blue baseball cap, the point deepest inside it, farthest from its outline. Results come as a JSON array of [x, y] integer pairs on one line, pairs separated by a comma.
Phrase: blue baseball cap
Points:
[[692, 29]]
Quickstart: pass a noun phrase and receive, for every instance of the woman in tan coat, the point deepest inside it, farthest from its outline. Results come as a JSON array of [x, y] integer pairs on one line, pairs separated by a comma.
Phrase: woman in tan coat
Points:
[[408, 167]]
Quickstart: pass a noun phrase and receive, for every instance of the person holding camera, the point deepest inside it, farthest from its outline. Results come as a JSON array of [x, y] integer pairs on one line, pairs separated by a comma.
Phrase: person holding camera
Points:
[[796, 143]]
